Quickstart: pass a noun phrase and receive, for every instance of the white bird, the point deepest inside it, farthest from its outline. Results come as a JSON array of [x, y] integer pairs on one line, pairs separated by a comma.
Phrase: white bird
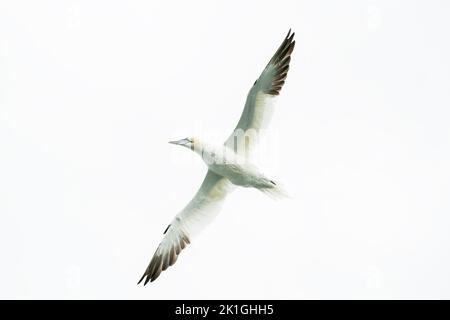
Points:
[[228, 165]]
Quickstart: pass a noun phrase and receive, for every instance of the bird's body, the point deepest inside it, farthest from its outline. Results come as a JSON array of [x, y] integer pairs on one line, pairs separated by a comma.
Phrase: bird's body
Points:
[[243, 175], [233, 166], [229, 165]]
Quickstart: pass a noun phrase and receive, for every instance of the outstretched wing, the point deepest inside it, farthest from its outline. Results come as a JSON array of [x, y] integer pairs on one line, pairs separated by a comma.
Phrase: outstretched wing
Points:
[[195, 216], [258, 107]]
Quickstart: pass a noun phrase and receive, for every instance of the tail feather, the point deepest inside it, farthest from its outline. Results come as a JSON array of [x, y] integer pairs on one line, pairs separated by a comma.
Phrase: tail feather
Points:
[[276, 191]]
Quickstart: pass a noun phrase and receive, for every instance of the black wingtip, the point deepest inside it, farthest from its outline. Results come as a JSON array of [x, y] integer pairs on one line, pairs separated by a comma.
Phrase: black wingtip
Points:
[[142, 278], [162, 260], [290, 35]]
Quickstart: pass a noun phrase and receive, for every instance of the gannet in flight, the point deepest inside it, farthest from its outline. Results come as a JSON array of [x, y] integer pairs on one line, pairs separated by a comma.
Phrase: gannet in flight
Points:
[[227, 165]]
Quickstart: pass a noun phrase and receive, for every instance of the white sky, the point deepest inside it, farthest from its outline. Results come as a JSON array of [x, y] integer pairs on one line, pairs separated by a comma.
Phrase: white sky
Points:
[[91, 91]]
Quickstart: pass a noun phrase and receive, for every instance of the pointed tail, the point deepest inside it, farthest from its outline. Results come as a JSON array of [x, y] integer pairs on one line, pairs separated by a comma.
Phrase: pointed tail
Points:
[[276, 191]]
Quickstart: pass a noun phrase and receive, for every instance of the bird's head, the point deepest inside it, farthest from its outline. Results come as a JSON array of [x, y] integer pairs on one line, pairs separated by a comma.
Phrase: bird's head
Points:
[[190, 143]]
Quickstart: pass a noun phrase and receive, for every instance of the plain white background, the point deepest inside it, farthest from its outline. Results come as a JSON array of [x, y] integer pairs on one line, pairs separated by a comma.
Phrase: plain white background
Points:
[[91, 91]]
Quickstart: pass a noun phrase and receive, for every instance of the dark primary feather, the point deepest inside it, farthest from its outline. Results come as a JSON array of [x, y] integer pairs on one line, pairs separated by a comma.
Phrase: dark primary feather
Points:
[[278, 66], [166, 258], [268, 85]]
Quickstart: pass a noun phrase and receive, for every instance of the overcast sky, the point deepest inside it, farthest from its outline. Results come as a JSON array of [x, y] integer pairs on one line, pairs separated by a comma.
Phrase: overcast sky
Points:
[[92, 91]]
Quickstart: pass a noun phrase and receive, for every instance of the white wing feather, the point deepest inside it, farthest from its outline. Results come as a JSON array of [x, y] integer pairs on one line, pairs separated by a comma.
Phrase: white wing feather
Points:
[[198, 213], [258, 107]]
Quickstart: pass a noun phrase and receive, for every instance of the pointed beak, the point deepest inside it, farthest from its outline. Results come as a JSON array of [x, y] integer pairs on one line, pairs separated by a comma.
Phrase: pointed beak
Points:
[[182, 142]]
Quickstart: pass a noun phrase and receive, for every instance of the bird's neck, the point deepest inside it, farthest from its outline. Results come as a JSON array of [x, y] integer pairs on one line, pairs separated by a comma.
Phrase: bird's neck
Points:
[[201, 148], [219, 154]]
